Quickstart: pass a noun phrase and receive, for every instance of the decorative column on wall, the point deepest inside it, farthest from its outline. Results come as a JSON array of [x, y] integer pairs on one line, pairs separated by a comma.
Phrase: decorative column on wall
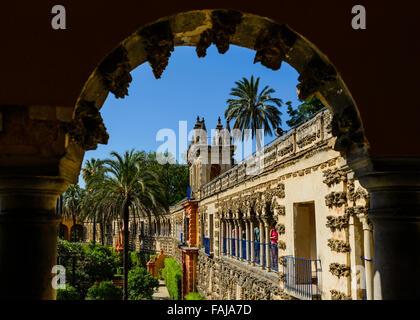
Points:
[[240, 239], [262, 241], [251, 223], [368, 252], [229, 240], [247, 238], [267, 242], [237, 242], [337, 202], [222, 234]]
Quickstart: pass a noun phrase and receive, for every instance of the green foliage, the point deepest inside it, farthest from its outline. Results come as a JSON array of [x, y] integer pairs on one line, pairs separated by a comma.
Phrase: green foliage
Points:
[[174, 177], [141, 284], [253, 109], [160, 273], [139, 259], [100, 262], [303, 111], [104, 291], [194, 296], [90, 263], [172, 274], [69, 293]]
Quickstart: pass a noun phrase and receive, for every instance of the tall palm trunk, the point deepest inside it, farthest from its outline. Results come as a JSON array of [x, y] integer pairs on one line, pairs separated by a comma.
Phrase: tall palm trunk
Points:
[[102, 231], [74, 240], [74, 227], [126, 244], [94, 229]]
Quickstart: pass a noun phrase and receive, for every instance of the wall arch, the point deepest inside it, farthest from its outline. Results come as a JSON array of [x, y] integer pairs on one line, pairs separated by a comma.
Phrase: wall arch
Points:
[[274, 43]]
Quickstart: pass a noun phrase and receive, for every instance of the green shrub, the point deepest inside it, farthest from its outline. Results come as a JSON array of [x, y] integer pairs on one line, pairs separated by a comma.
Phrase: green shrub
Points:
[[104, 291], [194, 296], [100, 262], [160, 274], [69, 293], [141, 284], [87, 264], [172, 274]]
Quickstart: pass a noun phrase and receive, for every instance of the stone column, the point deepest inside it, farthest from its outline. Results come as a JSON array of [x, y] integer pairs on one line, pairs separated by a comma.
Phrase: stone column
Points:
[[229, 235], [222, 229], [240, 239], [367, 248], [267, 248], [262, 240], [28, 236], [252, 242], [247, 240], [394, 188]]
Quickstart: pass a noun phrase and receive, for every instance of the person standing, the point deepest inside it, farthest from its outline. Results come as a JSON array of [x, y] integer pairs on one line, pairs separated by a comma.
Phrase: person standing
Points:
[[274, 237]]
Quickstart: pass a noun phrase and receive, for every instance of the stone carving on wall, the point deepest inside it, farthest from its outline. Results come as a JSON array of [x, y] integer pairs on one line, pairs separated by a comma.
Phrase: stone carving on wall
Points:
[[115, 71], [280, 228], [337, 295], [226, 278], [273, 44], [338, 245], [87, 128], [306, 140], [335, 199], [224, 24], [280, 210], [360, 193], [286, 150], [332, 177], [314, 77], [339, 270], [281, 245], [347, 128], [356, 211], [158, 43], [339, 223]]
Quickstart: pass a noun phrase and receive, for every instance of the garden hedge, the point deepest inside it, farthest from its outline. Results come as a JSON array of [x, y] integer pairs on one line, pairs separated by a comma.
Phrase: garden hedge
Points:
[[172, 274]]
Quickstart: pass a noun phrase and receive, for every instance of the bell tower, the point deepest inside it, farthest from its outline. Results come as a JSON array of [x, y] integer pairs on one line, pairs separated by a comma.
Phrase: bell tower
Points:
[[205, 161]]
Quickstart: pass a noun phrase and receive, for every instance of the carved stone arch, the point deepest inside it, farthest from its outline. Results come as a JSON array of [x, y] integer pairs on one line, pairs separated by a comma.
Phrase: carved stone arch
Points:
[[273, 42]]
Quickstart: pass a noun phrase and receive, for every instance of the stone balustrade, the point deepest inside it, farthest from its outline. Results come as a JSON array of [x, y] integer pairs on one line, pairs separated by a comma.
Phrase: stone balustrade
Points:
[[299, 140]]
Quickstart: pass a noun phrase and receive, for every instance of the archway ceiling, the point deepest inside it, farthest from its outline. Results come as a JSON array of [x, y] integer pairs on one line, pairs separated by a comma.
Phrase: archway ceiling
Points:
[[41, 66]]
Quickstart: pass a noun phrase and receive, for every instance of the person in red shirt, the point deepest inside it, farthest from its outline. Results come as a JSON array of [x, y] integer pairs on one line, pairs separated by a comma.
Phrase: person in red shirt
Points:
[[274, 237]]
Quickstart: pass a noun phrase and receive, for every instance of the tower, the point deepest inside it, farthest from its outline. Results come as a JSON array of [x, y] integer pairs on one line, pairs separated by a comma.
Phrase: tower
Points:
[[206, 161]]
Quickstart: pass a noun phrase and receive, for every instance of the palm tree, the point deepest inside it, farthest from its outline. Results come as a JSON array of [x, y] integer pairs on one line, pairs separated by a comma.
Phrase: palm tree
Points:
[[93, 174], [252, 109], [131, 188], [72, 199]]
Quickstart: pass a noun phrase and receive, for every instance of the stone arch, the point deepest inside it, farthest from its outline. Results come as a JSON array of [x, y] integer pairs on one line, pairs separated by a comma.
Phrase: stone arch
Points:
[[78, 229], [64, 231], [274, 43]]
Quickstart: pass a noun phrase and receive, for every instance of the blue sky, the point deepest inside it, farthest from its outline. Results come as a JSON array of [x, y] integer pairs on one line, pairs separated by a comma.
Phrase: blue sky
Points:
[[189, 86]]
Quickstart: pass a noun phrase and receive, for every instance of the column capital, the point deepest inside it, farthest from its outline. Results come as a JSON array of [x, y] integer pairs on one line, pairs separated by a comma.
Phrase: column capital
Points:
[[394, 188]]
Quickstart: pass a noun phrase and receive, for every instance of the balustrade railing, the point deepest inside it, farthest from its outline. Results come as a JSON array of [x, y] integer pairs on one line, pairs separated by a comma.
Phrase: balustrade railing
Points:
[[301, 277], [302, 137]]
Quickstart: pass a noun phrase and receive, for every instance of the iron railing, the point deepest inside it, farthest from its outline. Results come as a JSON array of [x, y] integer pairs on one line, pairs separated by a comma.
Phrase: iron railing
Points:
[[301, 278], [244, 252]]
